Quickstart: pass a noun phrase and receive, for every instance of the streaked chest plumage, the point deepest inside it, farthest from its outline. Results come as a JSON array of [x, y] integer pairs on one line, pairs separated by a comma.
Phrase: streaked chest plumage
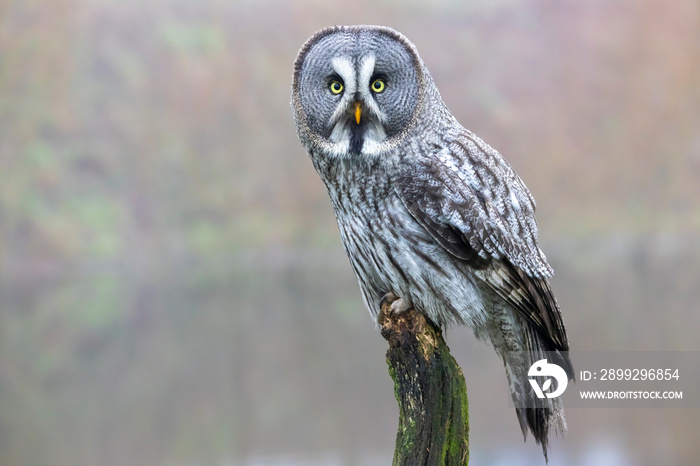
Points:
[[390, 251]]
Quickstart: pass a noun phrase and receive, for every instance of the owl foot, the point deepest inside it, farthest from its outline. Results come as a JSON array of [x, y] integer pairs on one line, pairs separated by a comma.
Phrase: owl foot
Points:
[[398, 305]]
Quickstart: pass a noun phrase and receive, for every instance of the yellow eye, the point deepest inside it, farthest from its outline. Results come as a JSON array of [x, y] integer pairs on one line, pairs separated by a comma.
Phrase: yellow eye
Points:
[[378, 85], [336, 87]]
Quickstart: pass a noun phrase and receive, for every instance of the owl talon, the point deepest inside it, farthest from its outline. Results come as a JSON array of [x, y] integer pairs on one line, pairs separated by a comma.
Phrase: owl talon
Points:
[[400, 305], [388, 298]]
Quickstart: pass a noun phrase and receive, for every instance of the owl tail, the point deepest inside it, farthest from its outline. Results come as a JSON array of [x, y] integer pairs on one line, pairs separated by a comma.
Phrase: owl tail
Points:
[[538, 415]]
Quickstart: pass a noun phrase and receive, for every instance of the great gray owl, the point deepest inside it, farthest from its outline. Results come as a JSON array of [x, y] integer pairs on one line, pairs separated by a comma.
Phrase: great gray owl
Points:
[[430, 215]]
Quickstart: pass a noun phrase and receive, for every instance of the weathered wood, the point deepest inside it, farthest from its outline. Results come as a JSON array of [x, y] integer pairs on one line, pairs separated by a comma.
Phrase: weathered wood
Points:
[[430, 389]]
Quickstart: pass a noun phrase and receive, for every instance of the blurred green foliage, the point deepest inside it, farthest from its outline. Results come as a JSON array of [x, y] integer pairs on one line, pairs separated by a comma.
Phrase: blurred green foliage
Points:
[[161, 130]]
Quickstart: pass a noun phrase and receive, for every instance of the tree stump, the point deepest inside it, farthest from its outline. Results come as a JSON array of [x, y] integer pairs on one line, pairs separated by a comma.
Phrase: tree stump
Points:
[[430, 389]]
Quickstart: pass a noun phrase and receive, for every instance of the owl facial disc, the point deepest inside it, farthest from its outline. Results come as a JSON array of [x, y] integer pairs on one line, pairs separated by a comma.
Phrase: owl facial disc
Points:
[[357, 92]]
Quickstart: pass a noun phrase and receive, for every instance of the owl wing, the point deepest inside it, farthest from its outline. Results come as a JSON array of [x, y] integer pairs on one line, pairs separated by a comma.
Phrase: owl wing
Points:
[[477, 208]]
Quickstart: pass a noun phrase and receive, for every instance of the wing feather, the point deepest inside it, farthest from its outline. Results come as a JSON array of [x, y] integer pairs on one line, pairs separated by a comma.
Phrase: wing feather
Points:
[[477, 208]]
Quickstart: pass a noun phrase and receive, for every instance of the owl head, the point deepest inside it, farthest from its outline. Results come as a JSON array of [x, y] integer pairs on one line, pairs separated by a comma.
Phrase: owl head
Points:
[[357, 90]]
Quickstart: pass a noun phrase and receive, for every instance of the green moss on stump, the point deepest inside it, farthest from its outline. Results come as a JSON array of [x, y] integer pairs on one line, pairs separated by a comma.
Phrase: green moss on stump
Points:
[[430, 389]]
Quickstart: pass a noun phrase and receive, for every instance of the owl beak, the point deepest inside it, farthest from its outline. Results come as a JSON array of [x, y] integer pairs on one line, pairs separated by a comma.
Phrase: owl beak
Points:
[[358, 112]]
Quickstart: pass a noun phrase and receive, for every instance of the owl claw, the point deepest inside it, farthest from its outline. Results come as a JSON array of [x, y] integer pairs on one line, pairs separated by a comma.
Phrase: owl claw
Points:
[[388, 298], [398, 305]]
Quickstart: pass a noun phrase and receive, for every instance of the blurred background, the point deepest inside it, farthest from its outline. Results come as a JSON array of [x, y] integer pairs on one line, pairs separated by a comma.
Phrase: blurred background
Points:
[[173, 289]]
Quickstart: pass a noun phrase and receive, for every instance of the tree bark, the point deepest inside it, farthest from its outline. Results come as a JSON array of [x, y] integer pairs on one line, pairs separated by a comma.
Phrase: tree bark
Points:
[[430, 389]]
